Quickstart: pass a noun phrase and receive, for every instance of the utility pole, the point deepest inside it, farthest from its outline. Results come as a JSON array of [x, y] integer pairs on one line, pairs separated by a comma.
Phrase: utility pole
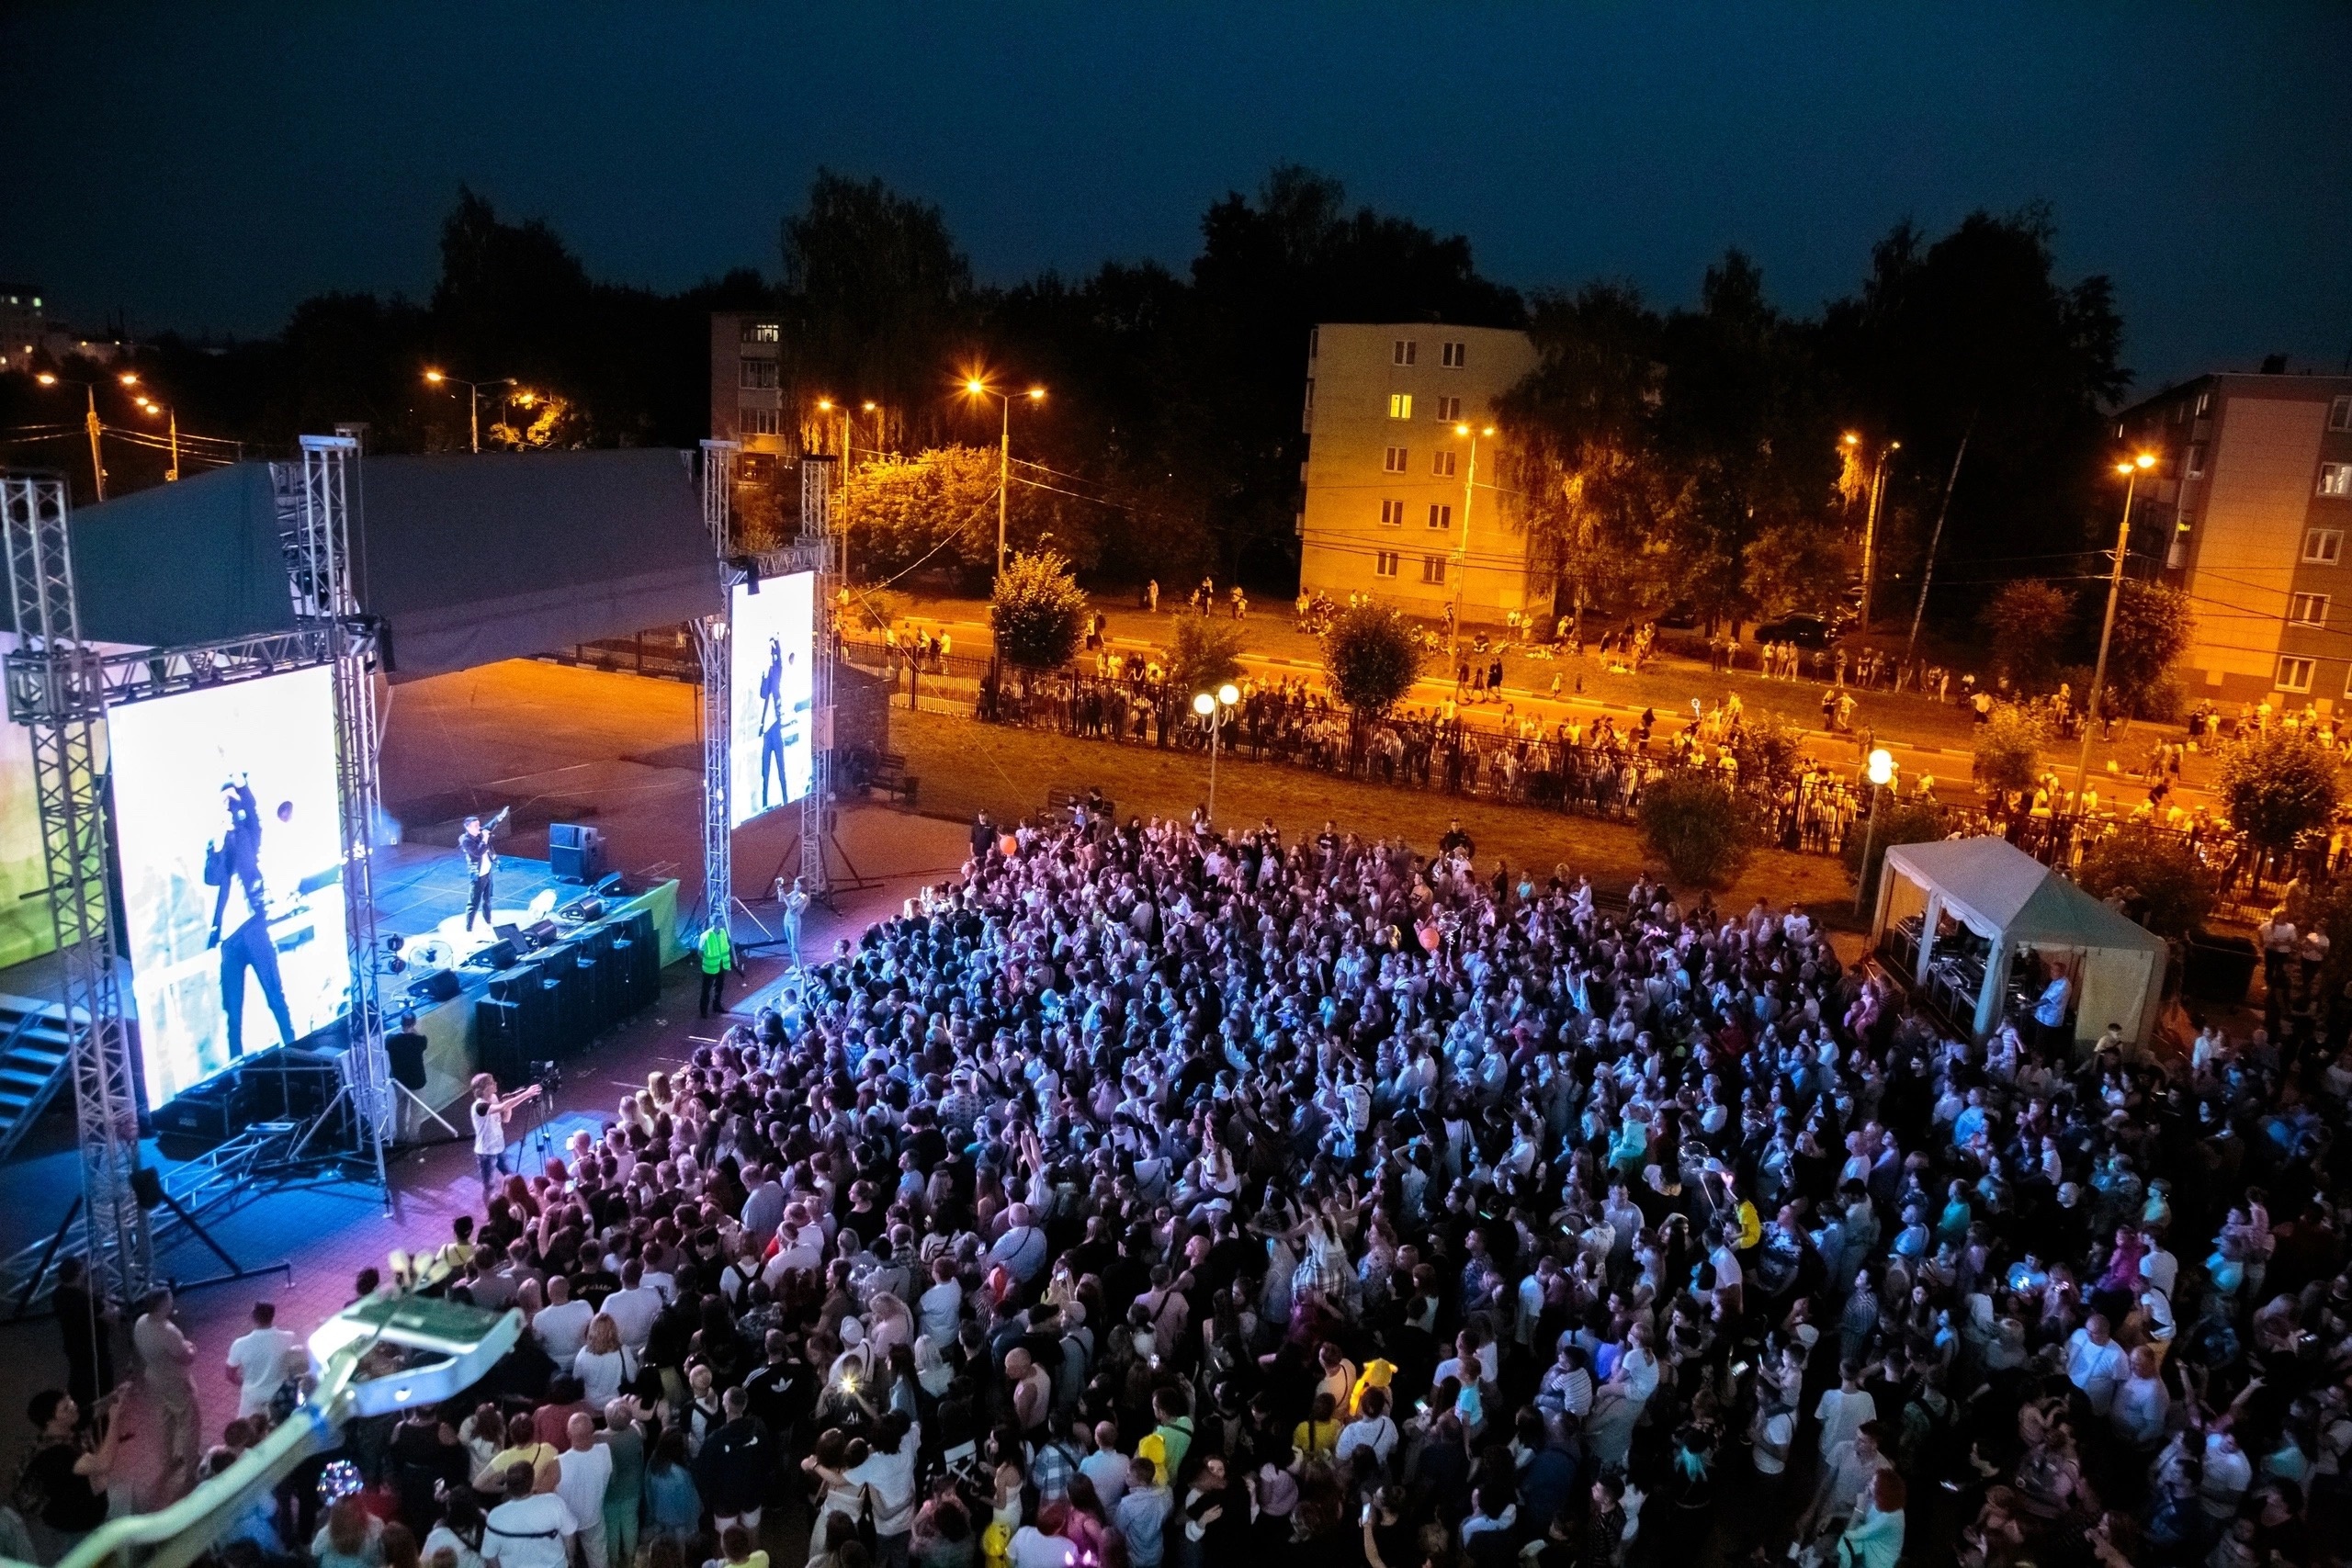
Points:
[[97, 461], [2130, 472], [1003, 480], [1462, 543], [173, 472], [1927, 569], [1870, 534]]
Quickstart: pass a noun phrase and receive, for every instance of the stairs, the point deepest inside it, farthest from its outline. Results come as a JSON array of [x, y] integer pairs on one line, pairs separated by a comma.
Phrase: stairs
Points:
[[33, 1063]]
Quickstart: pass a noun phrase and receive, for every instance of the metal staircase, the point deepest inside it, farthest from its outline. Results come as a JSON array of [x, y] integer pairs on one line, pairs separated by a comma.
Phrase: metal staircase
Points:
[[34, 1047]]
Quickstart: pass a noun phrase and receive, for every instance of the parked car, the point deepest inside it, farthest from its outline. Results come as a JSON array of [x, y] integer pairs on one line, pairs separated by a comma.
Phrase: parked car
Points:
[[1805, 631]]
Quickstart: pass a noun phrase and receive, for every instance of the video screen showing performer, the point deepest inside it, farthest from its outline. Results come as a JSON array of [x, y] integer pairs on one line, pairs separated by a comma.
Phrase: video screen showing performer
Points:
[[770, 757], [225, 813]]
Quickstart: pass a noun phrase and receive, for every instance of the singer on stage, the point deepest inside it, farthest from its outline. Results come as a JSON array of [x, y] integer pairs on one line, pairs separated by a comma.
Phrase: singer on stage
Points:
[[241, 914], [481, 861]]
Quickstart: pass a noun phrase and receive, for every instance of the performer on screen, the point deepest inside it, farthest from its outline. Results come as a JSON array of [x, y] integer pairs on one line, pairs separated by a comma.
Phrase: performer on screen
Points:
[[771, 722], [482, 860], [241, 910]]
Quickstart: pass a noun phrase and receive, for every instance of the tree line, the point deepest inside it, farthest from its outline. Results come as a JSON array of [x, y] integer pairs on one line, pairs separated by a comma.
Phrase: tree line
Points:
[[1689, 454]]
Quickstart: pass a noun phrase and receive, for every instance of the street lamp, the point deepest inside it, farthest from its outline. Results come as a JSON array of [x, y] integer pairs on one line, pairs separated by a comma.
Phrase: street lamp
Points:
[[976, 387], [1214, 709], [152, 408], [473, 389], [1462, 544], [90, 420], [2130, 471], [1880, 771], [1869, 522]]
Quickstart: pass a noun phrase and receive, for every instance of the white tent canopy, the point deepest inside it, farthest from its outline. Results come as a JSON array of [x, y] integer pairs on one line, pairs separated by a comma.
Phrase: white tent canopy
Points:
[[1982, 904]]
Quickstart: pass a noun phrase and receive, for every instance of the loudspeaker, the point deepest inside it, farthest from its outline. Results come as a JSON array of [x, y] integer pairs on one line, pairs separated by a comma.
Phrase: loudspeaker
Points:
[[146, 1186], [539, 935], [575, 852], [434, 986], [497, 956], [583, 910]]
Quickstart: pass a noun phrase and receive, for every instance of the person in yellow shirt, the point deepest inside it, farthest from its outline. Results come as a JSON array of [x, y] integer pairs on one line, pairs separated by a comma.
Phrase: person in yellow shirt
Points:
[[1317, 1437]]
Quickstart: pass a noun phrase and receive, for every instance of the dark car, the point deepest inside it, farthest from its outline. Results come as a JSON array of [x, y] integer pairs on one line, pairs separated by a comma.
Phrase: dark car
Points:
[[1805, 631]]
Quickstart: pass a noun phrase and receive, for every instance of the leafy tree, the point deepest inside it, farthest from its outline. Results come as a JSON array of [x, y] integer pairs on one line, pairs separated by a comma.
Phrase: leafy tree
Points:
[[2008, 750], [1372, 655], [2278, 786], [2026, 623], [2153, 623], [1704, 832], [2160, 881], [1897, 823], [1037, 611], [1769, 750], [1206, 655], [937, 510]]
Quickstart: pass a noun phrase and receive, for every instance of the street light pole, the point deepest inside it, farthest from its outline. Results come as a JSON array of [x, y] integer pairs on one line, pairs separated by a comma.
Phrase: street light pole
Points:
[[2130, 472], [1870, 533], [1462, 544], [1879, 770], [97, 463], [977, 388], [1213, 708], [473, 392]]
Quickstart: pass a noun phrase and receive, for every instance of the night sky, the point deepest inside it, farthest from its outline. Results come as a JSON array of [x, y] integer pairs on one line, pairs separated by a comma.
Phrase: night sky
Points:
[[203, 168]]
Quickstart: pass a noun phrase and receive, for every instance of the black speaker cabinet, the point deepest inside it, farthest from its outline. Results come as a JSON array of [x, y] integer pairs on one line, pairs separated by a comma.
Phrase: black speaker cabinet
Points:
[[433, 986]]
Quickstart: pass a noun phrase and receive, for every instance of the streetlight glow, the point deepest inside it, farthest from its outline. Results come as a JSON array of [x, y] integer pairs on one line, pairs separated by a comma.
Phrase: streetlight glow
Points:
[[1851, 439], [1203, 703], [824, 405], [1228, 693], [974, 386], [434, 376], [870, 405], [1881, 767], [47, 378], [129, 379], [1036, 394]]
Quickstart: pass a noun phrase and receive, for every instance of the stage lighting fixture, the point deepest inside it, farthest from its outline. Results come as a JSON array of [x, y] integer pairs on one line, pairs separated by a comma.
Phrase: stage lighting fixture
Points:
[[393, 941], [396, 965], [749, 567]]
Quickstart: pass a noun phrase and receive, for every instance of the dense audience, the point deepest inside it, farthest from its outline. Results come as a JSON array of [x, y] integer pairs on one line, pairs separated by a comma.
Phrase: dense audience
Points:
[[1157, 1197]]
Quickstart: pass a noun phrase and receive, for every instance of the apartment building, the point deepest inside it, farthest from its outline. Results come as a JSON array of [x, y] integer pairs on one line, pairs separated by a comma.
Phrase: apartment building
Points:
[[1403, 500], [746, 392], [2250, 505]]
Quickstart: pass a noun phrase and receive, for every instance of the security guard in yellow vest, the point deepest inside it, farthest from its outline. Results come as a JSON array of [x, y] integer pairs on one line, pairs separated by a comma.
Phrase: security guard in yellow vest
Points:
[[718, 958]]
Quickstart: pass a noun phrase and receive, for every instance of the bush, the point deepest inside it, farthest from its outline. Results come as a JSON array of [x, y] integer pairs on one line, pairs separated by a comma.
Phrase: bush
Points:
[[2161, 884], [2153, 623], [1372, 655], [1037, 612], [2008, 750], [1207, 653], [1769, 751], [1703, 831], [2278, 786], [1899, 822]]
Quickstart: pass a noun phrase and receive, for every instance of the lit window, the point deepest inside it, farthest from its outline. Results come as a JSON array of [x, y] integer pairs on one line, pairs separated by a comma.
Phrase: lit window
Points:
[[757, 421], [1400, 405], [761, 332], [1401, 350], [2339, 413], [1448, 408], [1392, 514], [2324, 546], [1433, 570], [2195, 467], [759, 373], [2308, 609], [2204, 402], [1442, 464], [1393, 462], [2294, 675], [1440, 516], [1384, 563], [2336, 478], [1456, 355]]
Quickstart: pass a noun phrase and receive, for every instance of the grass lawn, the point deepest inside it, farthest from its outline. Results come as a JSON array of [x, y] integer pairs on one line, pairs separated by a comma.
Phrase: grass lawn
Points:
[[966, 766]]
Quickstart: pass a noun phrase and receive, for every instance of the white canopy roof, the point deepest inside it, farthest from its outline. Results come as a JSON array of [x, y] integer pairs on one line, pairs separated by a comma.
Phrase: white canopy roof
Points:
[[2000, 892]]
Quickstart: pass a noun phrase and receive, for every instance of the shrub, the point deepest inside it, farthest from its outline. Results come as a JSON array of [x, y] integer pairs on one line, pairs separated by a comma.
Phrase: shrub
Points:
[[1768, 749], [1371, 656], [1207, 653], [2026, 622], [2278, 786], [1037, 611], [1703, 831], [2161, 884], [1899, 822], [2008, 750]]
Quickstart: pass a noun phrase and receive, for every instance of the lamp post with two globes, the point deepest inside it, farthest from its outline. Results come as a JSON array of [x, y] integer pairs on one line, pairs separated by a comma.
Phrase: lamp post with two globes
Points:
[[976, 387], [90, 395], [1213, 707]]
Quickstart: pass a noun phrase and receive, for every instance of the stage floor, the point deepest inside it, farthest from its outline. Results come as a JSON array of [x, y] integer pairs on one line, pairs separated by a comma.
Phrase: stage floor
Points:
[[421, 893]]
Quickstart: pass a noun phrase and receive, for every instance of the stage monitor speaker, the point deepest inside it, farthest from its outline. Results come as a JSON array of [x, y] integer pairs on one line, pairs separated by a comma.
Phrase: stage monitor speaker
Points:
[[499, 954], [612, 884], [434, 986], [584, 910], [541, 934], [146, 1186]]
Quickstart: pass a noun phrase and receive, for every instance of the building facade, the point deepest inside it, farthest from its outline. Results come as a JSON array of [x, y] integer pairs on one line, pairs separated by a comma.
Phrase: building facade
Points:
[[2250, 510], [746, 384], [1402, 495]]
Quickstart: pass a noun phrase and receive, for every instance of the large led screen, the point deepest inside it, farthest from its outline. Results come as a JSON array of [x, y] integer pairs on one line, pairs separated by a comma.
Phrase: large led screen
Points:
[[769, 762], [231, 853]]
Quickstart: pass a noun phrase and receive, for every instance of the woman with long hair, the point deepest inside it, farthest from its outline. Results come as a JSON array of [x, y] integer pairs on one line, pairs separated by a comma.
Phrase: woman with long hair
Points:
[[350, 1537], [604, 1364], [672, 1502], [1874, 1537]]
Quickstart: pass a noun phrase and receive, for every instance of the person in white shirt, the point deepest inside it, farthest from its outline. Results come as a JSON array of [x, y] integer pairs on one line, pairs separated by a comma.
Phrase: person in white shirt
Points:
[[940, 1309], [1843, 1409], [257, 1361], [586, 1470], [530, 1529], [2096, 1364], [2142, 1405], [562, 1323], [634, 1307], [1372, 1429]]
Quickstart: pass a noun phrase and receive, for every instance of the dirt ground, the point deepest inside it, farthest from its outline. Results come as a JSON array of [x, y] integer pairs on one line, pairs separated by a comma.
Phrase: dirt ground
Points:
[[965, 766]]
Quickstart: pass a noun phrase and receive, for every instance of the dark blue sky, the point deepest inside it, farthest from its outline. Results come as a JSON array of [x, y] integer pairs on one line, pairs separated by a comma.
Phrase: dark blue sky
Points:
[[205, 166]]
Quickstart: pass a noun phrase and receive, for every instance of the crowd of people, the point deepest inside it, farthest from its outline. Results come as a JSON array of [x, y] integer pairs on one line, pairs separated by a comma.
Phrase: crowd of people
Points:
[[1157, 1197]]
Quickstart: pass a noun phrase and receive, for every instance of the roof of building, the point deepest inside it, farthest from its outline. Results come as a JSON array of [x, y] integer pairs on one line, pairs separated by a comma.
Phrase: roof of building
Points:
[[469, 558]]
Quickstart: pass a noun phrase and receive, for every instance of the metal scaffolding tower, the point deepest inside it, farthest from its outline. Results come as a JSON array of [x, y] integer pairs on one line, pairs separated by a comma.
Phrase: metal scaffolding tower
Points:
[[57, 689], [818, 553], [713, 643]]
